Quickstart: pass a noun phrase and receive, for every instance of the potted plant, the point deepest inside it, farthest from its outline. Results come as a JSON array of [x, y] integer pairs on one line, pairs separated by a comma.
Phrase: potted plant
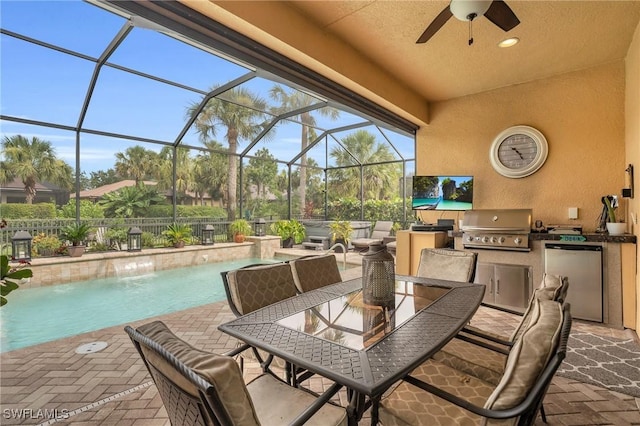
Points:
[[177, 234], [290, 231], [117, 237], [613, 226], [45, 245], [239, 229], [76, 233], [8, 275], [341, 233]]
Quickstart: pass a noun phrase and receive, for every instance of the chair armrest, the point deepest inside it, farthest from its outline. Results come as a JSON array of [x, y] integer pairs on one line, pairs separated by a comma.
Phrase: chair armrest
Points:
[[486, 336], [500, 349], [237, 350], [322, 399]]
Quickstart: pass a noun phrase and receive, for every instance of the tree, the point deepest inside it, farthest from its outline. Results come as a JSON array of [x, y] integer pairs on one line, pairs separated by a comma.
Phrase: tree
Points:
[[240, 114], [137, 163], [297, 100], [102, 177], [210, 172], [33, 161], [130, 201], [380, 181], [184, 171]]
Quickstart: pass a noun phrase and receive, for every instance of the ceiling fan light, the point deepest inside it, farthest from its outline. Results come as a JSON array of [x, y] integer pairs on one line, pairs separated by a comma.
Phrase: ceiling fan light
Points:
[[508, 42], [466, 10]]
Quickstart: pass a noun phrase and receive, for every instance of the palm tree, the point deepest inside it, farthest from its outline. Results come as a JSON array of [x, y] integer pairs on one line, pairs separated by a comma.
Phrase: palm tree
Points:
[[130, 201], [33, 161], [210, 172], [296, 100], [379, 180], [136, 163], [184, 171], [240, 113]]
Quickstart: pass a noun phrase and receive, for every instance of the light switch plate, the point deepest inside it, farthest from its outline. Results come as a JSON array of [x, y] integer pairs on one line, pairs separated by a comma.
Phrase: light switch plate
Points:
[[573, 212]]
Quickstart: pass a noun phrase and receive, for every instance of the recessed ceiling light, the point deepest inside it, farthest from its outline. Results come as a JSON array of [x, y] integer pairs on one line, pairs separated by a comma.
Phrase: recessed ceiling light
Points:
[[509, 42]]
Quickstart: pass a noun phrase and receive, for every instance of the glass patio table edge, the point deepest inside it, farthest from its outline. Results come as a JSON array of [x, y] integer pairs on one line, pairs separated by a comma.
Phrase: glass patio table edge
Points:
[[365, 372]]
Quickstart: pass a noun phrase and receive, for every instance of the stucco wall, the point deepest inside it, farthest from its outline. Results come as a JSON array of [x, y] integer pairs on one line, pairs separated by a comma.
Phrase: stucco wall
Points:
[[582, 117], [632, 138]]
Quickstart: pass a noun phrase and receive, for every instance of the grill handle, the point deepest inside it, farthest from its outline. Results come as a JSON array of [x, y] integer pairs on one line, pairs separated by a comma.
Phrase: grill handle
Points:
[[494, 229]]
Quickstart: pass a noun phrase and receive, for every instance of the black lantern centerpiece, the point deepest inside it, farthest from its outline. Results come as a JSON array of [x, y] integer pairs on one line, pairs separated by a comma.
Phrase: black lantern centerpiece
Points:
[[260, 227], [208, 235], [21, 246], [378, 276], [134, 239]]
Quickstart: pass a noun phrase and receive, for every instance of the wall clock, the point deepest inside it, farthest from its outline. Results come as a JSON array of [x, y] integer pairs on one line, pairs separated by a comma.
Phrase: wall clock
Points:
[[518, 151]]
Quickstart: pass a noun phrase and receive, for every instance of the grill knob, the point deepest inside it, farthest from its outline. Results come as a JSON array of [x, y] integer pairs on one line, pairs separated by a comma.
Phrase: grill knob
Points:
[[470, 238], [501, 240], [517, 240], [485, 239]]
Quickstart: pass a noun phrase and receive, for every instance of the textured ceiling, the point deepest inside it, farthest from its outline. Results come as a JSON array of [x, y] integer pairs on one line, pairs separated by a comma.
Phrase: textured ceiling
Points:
[[555, 37]]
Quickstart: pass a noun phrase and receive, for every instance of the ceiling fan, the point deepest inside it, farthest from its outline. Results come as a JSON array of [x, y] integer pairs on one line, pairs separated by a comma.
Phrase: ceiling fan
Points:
[[496, 11]]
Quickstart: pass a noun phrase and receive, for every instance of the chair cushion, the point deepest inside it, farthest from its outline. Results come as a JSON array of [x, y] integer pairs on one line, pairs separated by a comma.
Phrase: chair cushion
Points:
[[529, 355], [277, 403], [552, 287], [314, 272], [472, 359], [446, 264], [256, 287], [410, 405], [219, 370]]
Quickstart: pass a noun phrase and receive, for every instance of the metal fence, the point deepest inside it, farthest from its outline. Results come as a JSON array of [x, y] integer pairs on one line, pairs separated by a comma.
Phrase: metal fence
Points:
[[152, 226]]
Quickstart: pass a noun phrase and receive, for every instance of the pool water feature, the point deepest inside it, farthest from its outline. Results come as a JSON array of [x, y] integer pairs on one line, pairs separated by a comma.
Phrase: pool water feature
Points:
[[43, 314]]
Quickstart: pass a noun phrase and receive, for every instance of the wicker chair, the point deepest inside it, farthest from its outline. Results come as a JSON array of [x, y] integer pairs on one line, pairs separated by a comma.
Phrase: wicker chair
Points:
[[447, 264], [436, 394], [313, 272], [203, 388]]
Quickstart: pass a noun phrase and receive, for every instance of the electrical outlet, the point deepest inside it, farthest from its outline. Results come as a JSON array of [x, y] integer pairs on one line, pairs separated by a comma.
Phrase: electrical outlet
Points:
[[573, 212]]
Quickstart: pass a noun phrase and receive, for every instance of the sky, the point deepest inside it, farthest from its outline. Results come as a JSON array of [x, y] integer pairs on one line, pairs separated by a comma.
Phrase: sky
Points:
[[41, 84]]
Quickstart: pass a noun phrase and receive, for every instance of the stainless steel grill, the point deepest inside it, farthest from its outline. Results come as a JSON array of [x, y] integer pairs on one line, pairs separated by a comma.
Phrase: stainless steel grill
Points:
[[497, 229]]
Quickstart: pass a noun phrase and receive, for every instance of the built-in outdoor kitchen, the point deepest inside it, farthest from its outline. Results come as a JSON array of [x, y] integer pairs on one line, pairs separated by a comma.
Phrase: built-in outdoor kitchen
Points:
[[512, 258]]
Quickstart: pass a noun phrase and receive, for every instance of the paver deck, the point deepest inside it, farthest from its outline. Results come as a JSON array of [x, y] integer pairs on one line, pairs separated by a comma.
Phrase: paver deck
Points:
[[112, 386]]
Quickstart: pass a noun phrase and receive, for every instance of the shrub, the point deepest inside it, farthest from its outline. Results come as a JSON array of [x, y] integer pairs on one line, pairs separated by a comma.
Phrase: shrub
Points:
[[44, 245]]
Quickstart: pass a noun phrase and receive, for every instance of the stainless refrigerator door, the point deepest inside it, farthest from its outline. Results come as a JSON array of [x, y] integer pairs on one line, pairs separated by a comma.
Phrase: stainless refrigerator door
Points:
[[582, 265]]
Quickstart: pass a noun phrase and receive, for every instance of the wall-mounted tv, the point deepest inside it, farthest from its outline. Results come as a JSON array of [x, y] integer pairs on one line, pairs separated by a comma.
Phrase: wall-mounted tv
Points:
[[442, 193]]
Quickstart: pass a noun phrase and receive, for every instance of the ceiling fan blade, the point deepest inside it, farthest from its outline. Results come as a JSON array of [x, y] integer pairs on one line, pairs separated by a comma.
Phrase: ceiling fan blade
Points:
[[437, 23], [502, 15]]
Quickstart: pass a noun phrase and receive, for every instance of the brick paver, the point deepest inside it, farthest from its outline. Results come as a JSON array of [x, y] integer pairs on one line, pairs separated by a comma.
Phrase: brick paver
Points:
[[112, 387]]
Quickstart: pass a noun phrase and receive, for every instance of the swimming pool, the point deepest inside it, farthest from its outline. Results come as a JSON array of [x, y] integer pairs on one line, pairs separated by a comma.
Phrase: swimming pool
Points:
[[38, 315]]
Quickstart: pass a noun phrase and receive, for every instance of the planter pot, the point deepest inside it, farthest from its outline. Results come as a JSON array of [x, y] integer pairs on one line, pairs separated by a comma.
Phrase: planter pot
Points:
[[616, 228], [179, 244], [288, 243], [75, 251], [239, 238], [338, 249]]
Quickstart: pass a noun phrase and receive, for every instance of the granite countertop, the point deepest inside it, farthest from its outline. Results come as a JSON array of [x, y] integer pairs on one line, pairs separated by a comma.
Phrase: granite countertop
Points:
[[595, 237]]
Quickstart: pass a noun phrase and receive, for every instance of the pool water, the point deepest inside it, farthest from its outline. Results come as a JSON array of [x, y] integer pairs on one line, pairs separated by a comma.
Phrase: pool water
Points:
[[38, 315]]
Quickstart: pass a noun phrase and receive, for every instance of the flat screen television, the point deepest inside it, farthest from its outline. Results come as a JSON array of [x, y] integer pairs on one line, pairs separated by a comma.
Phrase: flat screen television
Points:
[[442, 193]]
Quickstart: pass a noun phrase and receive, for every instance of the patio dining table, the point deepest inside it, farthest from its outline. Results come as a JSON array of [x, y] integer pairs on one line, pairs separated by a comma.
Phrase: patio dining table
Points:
[[366, 347]]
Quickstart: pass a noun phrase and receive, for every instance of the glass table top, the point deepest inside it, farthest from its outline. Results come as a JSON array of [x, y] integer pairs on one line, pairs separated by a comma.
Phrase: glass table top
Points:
[[349, 321]]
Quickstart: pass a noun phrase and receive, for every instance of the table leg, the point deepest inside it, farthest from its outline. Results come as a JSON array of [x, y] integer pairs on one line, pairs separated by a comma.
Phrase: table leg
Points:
[[356, 407], [375, 404]]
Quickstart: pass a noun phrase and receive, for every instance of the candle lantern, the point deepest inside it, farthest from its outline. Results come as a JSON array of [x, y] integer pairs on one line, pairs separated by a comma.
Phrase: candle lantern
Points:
[[208, 235], [21, 246], [378, 276], [134, 239], [260, 227]]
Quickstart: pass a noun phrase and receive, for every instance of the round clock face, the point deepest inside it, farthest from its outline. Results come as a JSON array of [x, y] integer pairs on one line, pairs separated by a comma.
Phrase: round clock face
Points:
[[518, 151]]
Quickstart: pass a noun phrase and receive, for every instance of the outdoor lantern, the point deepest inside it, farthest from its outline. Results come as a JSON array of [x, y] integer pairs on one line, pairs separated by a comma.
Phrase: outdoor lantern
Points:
[[207, 235], [378, 276], [134, 239], [21, 246], [260, 227]]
